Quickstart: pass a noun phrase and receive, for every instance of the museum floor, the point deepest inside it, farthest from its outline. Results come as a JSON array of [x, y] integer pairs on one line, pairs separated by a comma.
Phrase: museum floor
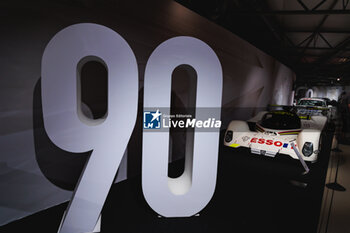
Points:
[[335, 212], [252, 195]]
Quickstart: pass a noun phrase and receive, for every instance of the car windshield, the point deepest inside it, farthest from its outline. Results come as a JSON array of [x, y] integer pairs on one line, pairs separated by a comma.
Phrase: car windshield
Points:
[[310, 102], [280, 120]]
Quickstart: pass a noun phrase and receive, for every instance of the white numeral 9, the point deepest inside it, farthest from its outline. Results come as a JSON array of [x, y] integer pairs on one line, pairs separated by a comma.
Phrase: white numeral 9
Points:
[[67, 127], [191, 192]]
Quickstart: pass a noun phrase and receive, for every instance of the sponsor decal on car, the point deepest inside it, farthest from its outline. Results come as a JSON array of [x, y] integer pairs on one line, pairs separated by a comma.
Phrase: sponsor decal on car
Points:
[[259, 128], [270, 142], [290, 132]]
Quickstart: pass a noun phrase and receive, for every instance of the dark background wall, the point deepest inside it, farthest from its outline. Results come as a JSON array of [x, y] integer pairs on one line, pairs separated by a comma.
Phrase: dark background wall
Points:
[[34, 174], [331, 92]]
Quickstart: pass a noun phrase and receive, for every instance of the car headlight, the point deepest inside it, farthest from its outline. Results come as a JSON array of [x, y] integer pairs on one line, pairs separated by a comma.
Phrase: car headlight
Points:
[[228, 136], [308, 149]]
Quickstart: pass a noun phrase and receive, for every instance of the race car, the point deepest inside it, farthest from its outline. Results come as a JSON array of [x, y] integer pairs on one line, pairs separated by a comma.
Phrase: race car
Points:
[[312, 102], [313, 106], [278, 132]]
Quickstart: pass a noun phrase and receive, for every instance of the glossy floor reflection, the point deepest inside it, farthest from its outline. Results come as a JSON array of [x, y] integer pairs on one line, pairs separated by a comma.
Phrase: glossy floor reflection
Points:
[[335, 214]]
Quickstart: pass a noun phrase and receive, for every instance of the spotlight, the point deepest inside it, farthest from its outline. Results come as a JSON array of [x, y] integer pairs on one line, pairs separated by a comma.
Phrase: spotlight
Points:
[[338, 79]]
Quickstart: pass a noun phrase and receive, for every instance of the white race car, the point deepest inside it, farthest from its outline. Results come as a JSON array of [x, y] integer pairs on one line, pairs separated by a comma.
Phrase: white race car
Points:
[[312, 102], [278, 132], [313, 106]]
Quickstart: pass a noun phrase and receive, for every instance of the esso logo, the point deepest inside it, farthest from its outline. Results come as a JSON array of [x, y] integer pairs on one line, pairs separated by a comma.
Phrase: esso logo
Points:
[[108, 138], [270, 142], [266, 141]]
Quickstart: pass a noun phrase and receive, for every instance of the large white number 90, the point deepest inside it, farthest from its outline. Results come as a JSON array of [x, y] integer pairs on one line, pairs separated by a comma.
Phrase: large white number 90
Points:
[[108, 137], [69, 129]]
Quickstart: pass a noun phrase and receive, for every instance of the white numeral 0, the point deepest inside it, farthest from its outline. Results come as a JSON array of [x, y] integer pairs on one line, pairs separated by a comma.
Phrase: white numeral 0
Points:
[[108, 137], [191, 192]]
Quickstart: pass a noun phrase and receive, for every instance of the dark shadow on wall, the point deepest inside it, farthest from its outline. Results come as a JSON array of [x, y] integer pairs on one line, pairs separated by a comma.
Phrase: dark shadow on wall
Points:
[[182, 101], [134, 160], [60, 167], [231, 110]]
